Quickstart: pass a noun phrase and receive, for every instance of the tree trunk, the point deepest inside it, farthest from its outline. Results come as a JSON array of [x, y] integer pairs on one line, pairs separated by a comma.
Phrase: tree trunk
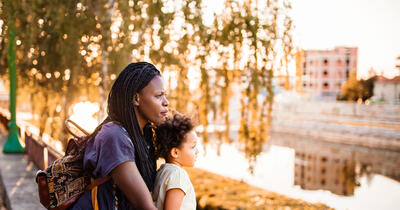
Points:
[[104, 59]]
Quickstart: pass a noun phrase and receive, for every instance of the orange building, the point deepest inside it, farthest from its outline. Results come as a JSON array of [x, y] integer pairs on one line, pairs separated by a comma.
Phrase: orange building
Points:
[[325, 71]]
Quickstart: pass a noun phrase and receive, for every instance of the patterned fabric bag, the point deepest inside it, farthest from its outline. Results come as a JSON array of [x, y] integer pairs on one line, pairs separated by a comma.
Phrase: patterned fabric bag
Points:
[[64, 181]]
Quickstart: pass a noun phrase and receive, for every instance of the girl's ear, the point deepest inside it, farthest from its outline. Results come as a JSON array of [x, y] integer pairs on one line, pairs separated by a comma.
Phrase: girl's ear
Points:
[[174, 152], [136, 99]]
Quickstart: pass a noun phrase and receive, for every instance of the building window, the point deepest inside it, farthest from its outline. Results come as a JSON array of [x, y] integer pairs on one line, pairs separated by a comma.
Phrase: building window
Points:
[[325, 61], [322, 182], [339, 62], [304, 65], [304, 84], [347, 61], [310, 84], [326, 85], [304, 72], [325, 72], [339, 85], [347, 73]]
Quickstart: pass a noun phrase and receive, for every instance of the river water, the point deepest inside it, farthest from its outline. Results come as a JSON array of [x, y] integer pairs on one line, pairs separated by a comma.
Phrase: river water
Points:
[[340, 176]]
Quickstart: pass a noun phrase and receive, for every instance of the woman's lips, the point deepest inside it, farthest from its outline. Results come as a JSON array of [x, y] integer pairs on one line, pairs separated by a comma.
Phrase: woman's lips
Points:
[[164, 113]]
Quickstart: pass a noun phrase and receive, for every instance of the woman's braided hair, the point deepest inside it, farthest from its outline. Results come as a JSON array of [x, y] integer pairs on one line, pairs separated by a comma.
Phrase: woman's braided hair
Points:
[[120, 108], [171, 133]]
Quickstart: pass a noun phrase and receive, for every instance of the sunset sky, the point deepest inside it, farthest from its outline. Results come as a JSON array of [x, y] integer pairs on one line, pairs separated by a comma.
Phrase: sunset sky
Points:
[[371, 25]]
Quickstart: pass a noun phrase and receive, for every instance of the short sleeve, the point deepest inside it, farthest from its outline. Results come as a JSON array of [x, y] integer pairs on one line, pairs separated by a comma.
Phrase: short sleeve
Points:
[[178, 179], [108, 149]]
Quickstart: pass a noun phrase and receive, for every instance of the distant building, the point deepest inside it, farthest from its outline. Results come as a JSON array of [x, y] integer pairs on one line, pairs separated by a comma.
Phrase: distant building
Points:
[[387, 90], [325, 71]]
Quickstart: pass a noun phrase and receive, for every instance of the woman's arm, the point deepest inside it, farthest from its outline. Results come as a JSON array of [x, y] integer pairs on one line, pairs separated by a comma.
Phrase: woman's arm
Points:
[[173, 199], [129, 180]]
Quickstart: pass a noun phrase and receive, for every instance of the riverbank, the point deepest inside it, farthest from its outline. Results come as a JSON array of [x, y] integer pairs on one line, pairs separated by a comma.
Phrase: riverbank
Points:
[[218, 192]]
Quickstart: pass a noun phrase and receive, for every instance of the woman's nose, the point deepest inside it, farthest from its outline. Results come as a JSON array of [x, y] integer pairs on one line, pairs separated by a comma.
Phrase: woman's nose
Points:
[[165, 102]]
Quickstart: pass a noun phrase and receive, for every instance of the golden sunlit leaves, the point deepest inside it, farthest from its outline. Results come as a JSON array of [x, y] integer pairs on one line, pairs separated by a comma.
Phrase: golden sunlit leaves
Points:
[[206, 61]]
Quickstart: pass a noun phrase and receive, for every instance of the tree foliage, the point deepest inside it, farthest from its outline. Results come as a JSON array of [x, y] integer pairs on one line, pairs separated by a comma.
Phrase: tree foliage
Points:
[[355, 89], [72, 50]]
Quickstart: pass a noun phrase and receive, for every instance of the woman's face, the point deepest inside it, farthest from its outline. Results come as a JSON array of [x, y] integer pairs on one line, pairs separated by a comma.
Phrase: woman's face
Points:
[[151, 103]]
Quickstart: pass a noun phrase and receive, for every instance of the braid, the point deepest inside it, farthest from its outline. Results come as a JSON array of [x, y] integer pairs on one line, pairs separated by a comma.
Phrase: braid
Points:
[[120, 108]]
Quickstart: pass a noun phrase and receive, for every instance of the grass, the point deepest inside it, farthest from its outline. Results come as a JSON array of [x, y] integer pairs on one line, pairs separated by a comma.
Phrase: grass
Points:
[[218, 192]]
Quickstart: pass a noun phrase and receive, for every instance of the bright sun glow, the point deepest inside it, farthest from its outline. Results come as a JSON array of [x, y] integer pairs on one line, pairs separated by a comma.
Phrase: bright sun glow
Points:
[[83, 115]]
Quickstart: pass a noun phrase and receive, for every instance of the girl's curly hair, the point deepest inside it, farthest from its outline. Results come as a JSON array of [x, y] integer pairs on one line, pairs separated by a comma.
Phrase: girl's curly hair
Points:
[[171, 133]]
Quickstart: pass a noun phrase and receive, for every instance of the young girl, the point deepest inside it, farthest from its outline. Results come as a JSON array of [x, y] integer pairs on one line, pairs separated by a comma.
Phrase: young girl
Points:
[[176, 143]]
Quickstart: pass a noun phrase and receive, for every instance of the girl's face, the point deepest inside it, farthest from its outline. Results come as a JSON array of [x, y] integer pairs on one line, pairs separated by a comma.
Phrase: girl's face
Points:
[[151, 103], [186, 153]]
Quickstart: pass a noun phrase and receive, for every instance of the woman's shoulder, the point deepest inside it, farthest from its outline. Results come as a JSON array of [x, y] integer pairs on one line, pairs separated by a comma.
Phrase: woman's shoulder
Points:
[[110, 147], [112, 133], [112, 129]]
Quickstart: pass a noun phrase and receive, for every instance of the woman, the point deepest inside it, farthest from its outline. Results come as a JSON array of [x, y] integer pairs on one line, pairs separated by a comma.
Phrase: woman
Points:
[[121, 146]]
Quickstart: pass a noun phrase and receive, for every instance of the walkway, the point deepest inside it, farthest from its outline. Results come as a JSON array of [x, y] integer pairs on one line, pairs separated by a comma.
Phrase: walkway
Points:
[[2, 205], [17, 180]]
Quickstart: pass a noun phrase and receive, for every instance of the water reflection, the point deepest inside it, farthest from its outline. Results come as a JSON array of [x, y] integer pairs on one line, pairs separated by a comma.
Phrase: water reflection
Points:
[[276, 168], [336, 167]]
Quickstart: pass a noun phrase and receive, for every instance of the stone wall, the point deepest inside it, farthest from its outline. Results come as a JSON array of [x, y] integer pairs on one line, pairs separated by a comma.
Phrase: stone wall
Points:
[[386, 112]]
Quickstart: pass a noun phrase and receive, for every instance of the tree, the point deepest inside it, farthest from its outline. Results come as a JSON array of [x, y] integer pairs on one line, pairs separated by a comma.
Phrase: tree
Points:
[[73, 50], [355, 89]]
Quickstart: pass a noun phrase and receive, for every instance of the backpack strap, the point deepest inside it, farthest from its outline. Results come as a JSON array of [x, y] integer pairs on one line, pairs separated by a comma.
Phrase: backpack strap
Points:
[[93, 187], [67, 127], [95, 202], [97, 182]]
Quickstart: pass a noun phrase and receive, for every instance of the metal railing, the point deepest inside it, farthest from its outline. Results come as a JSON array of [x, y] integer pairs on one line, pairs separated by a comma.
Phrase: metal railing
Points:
[[39, 152]]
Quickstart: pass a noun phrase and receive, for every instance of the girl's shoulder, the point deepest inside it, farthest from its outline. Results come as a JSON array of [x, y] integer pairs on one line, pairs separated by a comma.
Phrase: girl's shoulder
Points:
[[169, 169], [172, 176]]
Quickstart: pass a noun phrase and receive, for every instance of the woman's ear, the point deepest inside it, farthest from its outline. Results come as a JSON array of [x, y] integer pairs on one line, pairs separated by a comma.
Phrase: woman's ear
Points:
[[136, 99]]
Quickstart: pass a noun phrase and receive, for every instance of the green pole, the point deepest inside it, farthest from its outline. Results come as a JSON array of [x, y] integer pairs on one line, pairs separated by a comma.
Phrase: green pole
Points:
[[12, 144]]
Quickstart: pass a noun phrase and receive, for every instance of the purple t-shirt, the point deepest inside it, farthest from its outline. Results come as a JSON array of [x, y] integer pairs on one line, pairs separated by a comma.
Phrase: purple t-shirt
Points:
[[111, 147]]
